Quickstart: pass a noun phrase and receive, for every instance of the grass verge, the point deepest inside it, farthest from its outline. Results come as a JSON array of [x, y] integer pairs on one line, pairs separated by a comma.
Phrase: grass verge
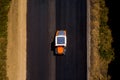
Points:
[[102, 52], [4, 8]]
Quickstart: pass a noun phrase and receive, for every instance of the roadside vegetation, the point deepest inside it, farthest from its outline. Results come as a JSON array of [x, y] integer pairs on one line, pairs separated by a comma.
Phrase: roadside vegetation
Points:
[[102, 52], [4, 8]]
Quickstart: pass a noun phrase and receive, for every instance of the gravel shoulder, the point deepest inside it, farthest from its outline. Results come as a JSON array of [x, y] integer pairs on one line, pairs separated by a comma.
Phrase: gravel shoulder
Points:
[[16, 48]]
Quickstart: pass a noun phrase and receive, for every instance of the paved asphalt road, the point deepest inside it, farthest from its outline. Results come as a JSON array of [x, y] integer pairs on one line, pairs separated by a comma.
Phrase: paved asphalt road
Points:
[[43, 18]]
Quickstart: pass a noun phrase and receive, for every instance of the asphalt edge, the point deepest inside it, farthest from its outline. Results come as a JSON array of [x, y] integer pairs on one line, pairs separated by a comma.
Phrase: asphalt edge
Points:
[[88, 40]]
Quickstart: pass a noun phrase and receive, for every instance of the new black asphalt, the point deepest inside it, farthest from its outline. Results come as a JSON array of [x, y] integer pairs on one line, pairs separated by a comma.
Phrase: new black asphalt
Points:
[[44, 17]]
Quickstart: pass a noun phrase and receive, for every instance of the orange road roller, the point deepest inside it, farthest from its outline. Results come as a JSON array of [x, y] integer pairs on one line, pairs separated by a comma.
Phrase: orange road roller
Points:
[[60, 42]]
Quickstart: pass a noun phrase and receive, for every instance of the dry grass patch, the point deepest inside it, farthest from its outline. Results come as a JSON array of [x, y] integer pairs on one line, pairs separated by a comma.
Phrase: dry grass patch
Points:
[[100, 41]]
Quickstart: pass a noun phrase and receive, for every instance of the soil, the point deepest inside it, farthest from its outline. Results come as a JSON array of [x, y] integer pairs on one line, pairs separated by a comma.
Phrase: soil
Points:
[[16, 48]]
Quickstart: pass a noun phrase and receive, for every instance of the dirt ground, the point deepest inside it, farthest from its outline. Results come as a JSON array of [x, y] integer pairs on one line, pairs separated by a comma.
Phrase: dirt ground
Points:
[[16, 48]]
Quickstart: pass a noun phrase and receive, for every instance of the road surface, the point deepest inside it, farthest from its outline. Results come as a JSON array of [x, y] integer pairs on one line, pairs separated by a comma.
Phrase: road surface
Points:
[[43, 18], [71, 15]]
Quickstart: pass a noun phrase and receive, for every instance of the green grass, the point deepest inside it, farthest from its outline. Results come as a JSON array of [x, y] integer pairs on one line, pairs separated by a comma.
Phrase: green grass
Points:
[[105, 45], [4, 8]]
